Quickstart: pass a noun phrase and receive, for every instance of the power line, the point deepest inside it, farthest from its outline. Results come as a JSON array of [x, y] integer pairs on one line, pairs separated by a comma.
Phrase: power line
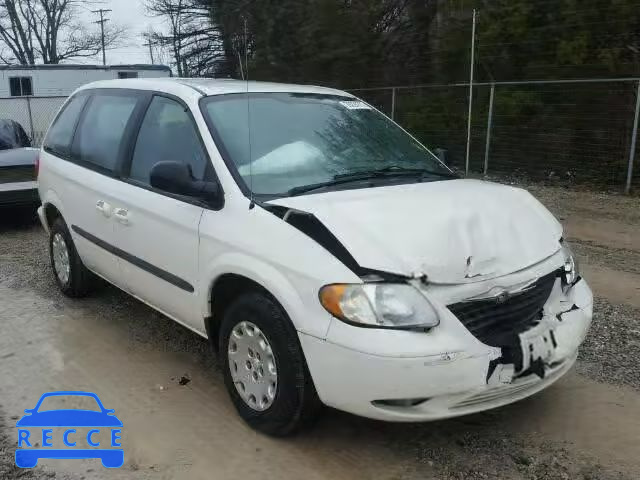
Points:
[[101, 12]]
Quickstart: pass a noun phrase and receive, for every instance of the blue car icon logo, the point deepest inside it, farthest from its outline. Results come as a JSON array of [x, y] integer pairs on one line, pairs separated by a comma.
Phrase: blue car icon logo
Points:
[[67, 421]]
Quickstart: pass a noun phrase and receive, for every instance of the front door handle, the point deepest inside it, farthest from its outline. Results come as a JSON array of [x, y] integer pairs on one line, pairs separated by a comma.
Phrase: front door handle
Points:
[[122, 215], [103, 207]]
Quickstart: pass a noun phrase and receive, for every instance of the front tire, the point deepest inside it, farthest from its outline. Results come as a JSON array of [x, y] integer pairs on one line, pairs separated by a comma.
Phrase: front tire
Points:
[[72, 277], [264, 367]]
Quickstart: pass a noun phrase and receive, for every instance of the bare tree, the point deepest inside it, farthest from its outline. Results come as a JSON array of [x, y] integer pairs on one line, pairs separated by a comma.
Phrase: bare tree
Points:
[[174, 12], [16, 31], [192, 40], [48, 31]]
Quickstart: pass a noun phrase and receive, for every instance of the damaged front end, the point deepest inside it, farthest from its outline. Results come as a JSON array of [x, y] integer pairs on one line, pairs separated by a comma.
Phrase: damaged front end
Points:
[[526, 338], [535, 328], [472, 343], [527, 318]]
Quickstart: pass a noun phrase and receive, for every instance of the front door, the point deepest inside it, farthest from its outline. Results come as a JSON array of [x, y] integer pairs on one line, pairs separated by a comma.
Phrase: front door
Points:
[[158, 231]]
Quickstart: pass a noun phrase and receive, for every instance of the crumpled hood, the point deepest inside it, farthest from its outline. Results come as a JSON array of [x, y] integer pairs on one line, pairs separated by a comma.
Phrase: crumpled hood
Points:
[[455, 231]]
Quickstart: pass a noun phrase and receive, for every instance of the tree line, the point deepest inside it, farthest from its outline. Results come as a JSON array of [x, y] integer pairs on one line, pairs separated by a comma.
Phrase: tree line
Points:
[[353, 44], [365, 43], [349, 43]]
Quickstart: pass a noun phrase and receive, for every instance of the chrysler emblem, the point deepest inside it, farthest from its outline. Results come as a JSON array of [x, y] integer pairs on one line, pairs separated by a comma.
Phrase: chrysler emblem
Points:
[[503, 297]]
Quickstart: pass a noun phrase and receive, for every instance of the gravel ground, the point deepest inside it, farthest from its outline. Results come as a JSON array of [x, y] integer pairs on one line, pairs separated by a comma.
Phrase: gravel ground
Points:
[[615, 258], [8, 469], [492, 454], [564, 201], [611, 351], [472, 449]]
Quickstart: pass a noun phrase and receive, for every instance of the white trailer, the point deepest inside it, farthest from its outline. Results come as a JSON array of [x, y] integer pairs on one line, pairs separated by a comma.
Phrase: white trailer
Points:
[[62, 80]]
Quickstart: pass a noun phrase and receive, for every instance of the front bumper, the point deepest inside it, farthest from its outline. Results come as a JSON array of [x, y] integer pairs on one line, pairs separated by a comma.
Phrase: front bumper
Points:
[[414, 376]]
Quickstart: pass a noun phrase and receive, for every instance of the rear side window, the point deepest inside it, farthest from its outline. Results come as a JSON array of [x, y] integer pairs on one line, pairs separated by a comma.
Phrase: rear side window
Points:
[[167, 133], [58, 139], [99, 136]]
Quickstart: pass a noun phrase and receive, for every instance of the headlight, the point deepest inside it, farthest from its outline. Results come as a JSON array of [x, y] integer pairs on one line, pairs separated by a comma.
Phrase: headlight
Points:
[[571, 267], [381, 305]]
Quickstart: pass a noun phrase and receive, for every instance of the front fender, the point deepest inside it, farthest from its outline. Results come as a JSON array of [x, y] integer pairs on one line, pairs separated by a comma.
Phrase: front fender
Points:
[[297, 294]]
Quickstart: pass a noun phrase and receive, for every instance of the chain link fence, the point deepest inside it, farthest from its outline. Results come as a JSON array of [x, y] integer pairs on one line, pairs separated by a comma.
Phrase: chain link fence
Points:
[[33, 113], [576, 131]]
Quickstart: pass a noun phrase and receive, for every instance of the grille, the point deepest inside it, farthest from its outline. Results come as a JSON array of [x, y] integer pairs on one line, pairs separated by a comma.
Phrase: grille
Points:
[[20, 173], [496, 323]]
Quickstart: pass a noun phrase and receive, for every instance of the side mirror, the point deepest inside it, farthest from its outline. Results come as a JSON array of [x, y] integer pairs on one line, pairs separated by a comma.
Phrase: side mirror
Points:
[[176, 178], [441, 153]]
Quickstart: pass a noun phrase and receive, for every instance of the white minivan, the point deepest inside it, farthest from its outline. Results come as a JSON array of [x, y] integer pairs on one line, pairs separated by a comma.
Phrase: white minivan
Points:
[[328, 256]]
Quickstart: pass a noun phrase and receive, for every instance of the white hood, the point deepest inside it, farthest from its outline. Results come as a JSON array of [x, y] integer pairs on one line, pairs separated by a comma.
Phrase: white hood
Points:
[[455, 231]]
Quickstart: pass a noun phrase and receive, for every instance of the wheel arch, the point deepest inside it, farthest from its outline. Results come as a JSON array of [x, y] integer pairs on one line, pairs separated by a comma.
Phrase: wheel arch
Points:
[[239, 273], [52, 206], [224, 290]]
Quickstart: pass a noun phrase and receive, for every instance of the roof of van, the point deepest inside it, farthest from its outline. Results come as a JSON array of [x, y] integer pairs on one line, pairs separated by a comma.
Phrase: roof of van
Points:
[[210, 86]]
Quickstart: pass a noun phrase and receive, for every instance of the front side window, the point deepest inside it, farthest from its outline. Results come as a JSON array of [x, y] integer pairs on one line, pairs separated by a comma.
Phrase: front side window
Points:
[[99, 136], [20, 86], [60, 134], [301, 140], [167, 133]]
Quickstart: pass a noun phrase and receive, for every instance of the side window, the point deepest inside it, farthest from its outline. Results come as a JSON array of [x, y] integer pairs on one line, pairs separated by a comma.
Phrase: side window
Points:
[[58, 139], [167, 133], [102, 127]]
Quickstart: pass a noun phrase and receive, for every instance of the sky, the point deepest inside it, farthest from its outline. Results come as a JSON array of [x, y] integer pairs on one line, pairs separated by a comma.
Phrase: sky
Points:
[[129, 14]]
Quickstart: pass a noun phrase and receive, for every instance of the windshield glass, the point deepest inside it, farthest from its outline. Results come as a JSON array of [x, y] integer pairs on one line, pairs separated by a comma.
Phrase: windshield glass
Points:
[[306, 139]]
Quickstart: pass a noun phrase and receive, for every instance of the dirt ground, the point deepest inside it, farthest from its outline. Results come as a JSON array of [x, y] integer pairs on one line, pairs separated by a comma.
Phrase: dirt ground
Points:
[[587, 426]]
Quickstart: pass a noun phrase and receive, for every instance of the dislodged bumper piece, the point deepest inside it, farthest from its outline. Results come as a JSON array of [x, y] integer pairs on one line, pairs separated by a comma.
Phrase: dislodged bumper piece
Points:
[[409, 376]]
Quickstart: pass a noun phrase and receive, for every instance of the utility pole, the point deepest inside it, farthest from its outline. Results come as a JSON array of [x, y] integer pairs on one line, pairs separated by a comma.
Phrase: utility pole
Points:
[[473, 52], [101, 12], [150, 45]]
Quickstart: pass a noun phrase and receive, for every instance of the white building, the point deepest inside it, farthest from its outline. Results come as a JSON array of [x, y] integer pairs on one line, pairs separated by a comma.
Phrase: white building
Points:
[[61, 80]]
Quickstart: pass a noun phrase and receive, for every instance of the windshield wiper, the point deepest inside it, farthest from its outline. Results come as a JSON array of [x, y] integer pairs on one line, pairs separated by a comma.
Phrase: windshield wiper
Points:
[[393, 170], [367, 175], [316, 186]]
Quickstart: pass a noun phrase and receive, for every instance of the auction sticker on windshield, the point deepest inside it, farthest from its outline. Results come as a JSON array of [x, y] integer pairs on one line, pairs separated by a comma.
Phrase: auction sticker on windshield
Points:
[[355, 105], [82, 428]]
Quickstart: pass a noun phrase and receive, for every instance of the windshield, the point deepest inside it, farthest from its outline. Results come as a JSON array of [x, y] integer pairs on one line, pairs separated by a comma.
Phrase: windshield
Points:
[[299, 140]]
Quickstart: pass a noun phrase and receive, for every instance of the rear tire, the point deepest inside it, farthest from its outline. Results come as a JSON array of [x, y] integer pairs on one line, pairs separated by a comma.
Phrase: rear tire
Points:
[[72, 277], [292, 403]]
